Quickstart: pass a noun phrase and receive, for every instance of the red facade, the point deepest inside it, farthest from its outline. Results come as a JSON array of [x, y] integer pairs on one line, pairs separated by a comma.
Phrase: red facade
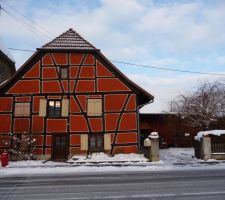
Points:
[[89, 76]]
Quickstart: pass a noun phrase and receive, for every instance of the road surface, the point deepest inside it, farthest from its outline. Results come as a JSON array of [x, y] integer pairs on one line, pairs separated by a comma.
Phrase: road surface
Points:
[[166, 185]]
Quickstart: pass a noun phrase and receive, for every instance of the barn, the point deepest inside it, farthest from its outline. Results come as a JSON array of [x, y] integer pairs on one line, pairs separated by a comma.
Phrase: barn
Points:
[[73, 100], [7, 64]]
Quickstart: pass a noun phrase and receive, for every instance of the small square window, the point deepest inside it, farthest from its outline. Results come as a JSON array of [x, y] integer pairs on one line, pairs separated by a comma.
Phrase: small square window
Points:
[[54, 108]]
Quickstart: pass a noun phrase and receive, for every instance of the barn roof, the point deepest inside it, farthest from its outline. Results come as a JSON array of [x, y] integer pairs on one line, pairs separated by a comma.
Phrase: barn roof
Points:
[[5, 51], [7, 57], [69, 40]]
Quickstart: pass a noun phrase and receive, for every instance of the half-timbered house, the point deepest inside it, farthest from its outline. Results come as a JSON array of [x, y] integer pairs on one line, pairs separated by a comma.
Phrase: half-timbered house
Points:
[[73, 100]]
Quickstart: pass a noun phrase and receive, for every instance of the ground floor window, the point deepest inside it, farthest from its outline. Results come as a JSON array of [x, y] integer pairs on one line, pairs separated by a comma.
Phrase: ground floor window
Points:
[[96, 142]]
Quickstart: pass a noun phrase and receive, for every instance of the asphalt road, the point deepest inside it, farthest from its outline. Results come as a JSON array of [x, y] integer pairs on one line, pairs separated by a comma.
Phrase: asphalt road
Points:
[[182, 185]]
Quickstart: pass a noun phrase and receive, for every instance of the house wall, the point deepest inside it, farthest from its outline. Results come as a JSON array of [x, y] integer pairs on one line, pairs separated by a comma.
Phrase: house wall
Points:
[[88, 77]]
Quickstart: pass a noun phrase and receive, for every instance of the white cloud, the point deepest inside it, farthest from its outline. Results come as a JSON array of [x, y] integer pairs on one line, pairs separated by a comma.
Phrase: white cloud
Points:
[[166, 89], [220, 60], [185, 35], [120, 28], [165, 62]]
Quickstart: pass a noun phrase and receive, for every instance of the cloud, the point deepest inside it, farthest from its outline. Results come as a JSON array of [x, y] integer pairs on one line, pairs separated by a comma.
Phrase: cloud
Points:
[[165, 62], [166, 89], [220, 60], [186, 35], [122, 28]]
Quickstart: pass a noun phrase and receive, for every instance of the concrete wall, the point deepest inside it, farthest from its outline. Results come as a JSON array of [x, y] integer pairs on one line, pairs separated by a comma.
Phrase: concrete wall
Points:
[[203, 150], [206, 148]]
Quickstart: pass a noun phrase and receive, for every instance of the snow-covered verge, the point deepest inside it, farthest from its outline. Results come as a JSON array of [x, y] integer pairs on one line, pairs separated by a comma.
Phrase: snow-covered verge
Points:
[[212, 132], [101, 157], [171, 159]]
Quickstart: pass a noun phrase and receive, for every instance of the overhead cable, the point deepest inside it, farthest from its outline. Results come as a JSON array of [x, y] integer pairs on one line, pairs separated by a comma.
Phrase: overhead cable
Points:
[[146, 66]]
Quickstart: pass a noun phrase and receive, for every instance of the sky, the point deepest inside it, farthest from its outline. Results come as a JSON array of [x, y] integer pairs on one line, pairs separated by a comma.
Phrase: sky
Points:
[[180, 34]]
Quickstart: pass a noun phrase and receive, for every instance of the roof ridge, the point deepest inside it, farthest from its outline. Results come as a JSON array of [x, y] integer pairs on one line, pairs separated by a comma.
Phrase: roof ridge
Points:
[[55, 39], [70, 39], [82, 37]]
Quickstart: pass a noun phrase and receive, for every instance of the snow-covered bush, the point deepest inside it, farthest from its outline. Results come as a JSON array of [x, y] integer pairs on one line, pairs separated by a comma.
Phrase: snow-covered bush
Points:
[[21, 146]]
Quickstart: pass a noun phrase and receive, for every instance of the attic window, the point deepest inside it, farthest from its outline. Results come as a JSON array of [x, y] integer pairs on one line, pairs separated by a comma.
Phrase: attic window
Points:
[[63, 72]]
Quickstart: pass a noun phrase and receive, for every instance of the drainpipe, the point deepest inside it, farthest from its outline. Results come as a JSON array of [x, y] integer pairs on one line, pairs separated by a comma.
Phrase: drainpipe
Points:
[[138, 123]]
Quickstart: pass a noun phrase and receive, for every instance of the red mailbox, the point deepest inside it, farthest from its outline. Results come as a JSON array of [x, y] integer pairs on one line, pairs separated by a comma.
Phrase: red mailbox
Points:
[[4, 159]]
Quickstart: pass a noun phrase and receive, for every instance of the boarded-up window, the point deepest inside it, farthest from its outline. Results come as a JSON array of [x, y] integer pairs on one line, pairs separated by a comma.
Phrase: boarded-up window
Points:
[[42, 107], [22, 109], [94, 107]]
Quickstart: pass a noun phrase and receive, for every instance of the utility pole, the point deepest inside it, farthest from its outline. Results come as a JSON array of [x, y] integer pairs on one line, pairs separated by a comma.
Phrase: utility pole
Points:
[[0, 9]]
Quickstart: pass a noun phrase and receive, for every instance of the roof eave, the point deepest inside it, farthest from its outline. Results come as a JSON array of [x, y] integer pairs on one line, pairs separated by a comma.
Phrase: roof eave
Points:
[[147, 96]]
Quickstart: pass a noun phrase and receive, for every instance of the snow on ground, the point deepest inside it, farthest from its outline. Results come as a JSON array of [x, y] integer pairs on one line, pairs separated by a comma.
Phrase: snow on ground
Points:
[[101, 157], [171, 159], [213, 132], [177, 155]]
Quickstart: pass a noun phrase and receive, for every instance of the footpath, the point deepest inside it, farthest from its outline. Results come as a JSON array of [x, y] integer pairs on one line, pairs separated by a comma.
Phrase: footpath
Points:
[[170, 159]]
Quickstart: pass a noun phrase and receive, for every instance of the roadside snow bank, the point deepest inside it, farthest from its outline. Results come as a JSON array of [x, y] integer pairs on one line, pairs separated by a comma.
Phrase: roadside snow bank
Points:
[[171, 159], [213, 132], [102, 157]]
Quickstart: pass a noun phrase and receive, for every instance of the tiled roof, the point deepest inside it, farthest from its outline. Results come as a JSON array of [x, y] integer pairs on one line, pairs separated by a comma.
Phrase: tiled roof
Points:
[[69, 40]]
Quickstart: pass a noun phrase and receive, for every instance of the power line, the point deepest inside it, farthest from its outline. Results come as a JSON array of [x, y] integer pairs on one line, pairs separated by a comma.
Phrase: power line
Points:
[[25, 24], [43, 35], [167, 69], [32, 21], [21, 49], [145, 66]]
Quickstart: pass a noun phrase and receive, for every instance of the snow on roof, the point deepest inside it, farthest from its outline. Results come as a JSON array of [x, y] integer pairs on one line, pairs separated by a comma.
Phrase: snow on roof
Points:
[[212, 132], [4, 50]]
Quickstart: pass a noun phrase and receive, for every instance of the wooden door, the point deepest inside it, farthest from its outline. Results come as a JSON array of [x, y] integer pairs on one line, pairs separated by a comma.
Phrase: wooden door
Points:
[[59, 147]]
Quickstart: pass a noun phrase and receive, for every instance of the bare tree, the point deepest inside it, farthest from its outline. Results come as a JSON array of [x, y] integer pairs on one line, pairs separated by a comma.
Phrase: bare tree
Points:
[[202, 107]]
